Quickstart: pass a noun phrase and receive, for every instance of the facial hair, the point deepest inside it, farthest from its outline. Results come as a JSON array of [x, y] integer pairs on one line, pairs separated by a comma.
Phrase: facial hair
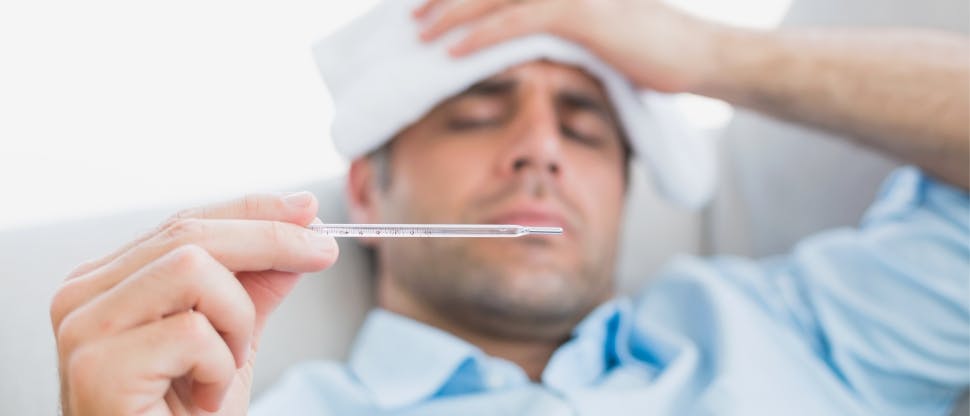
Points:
[[519, 288]]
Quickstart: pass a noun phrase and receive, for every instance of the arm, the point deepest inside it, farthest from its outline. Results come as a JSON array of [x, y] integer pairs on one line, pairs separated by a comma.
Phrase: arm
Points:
[[903, 92], [900, 91]]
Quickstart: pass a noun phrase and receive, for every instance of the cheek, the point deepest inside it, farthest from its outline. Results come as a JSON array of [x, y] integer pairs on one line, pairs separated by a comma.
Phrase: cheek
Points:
[[599, 184], [434, 184]]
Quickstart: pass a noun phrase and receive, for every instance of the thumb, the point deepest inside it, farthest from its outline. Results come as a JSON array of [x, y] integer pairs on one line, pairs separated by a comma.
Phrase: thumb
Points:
[[268, 288]]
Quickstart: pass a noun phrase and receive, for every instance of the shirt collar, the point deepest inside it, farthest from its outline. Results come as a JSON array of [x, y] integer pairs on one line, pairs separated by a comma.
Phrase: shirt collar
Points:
[[402, 361], [593, 349]]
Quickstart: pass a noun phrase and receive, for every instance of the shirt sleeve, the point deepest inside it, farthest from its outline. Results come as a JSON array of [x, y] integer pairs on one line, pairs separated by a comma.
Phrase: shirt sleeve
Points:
[[888, 303]]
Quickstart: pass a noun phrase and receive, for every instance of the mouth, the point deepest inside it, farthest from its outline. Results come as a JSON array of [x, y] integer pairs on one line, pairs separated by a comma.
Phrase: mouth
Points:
[[531, 217]]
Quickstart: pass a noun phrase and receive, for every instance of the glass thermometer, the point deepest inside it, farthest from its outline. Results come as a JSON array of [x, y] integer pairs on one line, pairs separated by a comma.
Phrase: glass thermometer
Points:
[[431, 230]]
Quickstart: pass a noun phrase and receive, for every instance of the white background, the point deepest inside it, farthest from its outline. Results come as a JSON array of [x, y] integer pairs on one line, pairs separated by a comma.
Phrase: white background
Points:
[[109, 105]]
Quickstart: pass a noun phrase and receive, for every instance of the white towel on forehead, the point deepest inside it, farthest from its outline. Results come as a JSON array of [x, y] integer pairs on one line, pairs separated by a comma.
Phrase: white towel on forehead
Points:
[[382, 78]]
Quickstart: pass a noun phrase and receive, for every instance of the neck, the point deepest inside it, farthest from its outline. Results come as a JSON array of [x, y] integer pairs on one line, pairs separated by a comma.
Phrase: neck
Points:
[[531, 353]]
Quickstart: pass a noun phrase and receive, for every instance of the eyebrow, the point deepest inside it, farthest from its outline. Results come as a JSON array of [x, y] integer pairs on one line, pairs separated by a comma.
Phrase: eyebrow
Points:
[[574, 99], [491, 87], [583, 101]]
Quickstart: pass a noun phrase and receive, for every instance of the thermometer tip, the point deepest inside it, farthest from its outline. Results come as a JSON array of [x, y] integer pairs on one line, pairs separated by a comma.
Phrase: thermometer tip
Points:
[[545, 230]]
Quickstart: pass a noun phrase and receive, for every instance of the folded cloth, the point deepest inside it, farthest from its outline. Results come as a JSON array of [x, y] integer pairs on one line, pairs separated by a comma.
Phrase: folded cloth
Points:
[[382, 78]]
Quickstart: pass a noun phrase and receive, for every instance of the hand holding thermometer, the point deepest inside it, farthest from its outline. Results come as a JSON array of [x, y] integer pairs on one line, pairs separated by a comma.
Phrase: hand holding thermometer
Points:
[[431, 230]]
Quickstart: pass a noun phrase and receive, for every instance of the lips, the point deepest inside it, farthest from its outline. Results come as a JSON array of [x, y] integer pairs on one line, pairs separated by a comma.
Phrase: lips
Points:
[[537, 217]]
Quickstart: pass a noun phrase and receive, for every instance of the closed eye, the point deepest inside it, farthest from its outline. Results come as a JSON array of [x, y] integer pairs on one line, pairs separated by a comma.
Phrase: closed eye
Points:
[[464, 124], [474, 112], [584, 139]]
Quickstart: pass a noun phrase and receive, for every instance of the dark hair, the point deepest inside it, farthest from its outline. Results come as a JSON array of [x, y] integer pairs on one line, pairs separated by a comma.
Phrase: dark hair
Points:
[[380, 159]]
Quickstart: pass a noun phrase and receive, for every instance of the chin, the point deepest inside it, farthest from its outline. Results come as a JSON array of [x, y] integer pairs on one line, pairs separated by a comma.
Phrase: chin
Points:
[[527, 252], [538, 280], [536, 298], [538, 263]]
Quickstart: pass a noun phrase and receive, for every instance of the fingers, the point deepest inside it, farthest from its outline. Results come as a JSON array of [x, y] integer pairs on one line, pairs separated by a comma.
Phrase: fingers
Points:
[[187, 278], [493, 21], [124, 301], [297, 208], [142, 362], [457, 14], [506, 23], [240, 245], [425, 9]]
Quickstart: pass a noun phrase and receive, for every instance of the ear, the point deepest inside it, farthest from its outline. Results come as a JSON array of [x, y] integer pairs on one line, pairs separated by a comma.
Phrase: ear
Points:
[[361, 192], [362, 198]]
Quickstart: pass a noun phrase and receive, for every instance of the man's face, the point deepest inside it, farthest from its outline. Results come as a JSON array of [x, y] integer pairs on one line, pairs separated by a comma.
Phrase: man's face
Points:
[[538, 145]]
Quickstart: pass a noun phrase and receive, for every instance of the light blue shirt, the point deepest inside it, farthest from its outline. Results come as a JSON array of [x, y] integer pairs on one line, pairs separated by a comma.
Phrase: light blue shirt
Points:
[[867, 321]]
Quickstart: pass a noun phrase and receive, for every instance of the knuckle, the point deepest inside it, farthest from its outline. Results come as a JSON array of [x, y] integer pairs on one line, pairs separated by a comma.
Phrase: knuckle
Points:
[[176, 217], [63, 302], [67, 334], [275, 233], [194, 326], [188, 258], [81, 269], [455, 14], [84, 364], [185, 230], [59, 305], [252, 204]]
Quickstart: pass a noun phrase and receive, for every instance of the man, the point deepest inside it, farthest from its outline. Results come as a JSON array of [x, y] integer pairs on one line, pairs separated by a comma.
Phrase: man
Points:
[[866, 321]]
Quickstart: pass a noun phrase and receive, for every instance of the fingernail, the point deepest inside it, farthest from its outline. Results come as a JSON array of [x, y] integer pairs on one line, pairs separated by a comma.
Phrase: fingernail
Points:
[[316, 221], [298, 199]]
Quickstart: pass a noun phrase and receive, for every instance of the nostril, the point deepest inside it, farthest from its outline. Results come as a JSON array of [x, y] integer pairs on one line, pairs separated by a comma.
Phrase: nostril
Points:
[[519, 164], [553, 168]]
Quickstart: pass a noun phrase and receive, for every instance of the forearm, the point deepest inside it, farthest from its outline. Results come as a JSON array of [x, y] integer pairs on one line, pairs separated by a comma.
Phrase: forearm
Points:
[[904, 92]]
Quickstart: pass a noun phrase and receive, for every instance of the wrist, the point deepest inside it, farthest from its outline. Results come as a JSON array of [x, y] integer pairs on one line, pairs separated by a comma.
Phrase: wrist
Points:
[[734, 57]]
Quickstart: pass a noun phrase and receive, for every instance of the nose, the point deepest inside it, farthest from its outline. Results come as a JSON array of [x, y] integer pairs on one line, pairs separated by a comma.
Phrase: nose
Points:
[[535, 143]]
